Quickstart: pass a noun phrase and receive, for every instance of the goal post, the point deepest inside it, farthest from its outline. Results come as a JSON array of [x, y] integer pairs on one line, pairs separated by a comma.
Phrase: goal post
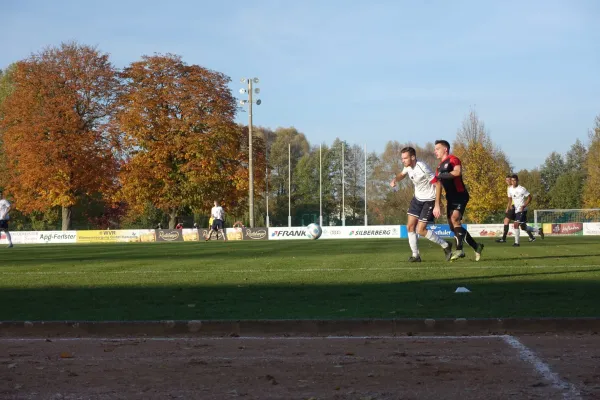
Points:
[[563, 216]]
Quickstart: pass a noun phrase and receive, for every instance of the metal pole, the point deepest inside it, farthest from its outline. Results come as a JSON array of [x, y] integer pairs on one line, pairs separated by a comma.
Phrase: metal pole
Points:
[[343, 183], [289, 184], [366, 184], [267, 183], [320, 187], [250, 166]]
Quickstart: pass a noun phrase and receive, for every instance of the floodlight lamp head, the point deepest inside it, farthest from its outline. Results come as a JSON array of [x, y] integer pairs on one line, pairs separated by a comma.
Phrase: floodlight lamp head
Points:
[[257, 90], [242, 102], [258, 102], [255, 80], [243, 91], [243, 80]]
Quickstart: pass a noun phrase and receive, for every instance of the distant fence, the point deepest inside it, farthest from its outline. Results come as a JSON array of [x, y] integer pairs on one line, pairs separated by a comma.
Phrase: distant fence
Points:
[[284, 233]]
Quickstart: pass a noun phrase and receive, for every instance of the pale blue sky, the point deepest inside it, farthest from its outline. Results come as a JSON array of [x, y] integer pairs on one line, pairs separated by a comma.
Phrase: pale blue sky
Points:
[[362, 71]]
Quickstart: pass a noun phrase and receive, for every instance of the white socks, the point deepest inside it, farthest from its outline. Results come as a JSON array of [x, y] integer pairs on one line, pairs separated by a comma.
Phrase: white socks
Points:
[[431, 235], [517, 232], [412, 242]]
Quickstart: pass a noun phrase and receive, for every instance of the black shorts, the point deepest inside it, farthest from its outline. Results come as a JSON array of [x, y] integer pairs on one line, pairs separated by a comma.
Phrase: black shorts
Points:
[[459, 205], [521, 217], [4, 225], [423, 210], [217, 224], [510, 214]]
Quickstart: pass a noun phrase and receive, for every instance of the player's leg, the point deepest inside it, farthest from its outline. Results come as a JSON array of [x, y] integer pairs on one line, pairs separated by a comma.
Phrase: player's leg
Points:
[[411, 225], [414, 211], [509, 216], [461, 233], [517, 232], [222, 228], [4, 228], [425, 218], [528, 229]]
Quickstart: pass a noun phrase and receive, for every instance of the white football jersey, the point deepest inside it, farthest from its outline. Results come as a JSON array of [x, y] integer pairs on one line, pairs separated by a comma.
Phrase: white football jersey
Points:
[[217, 213], [4, 207], [518, 194], [421, 176]]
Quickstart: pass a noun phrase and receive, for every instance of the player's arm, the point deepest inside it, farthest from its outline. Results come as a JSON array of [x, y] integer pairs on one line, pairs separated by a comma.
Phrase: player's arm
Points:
[[509, 204], [455, 173], [527, 201], [438, 199], [399, 176]]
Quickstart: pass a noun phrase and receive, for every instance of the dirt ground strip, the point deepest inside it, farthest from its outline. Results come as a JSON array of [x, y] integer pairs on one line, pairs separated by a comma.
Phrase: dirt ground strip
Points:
[[471, 367]]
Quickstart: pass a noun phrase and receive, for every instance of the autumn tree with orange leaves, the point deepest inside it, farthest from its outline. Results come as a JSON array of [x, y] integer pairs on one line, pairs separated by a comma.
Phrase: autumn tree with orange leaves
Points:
[[180, 146], [56, 144]]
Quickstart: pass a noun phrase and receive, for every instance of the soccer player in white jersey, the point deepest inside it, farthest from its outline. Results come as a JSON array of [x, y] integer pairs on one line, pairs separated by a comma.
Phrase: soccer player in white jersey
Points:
[[520, 197], [509, 214], [218, 215], [420, 211], [4, 209]]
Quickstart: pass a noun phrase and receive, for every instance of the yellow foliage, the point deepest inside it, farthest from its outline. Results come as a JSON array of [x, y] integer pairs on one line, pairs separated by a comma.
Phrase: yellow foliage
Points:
[[591, 190]]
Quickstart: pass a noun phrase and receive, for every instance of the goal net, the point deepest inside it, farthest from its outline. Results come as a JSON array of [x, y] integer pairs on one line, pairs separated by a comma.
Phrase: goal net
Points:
[[565, 221]]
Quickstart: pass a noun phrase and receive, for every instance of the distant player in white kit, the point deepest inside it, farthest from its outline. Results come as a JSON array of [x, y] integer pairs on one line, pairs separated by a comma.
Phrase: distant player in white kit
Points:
[[4, 218], [218, 215], [521, 198], [420, 211]]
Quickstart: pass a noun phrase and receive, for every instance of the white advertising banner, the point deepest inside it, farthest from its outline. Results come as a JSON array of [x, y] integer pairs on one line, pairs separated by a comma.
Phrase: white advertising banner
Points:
[[27, 237], [333, 232], [488, 230], [285, 233], [361, 232], [374, 231], [57, 236], [591, 228]]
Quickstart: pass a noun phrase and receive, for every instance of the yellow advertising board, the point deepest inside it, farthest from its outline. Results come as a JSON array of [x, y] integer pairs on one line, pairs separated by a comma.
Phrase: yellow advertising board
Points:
[[116, 236]]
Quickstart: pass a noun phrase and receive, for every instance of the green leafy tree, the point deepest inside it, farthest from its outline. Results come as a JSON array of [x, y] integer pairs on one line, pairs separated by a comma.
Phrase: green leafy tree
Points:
[[532, 181], [591, 190], [553, 167], [279, 183]]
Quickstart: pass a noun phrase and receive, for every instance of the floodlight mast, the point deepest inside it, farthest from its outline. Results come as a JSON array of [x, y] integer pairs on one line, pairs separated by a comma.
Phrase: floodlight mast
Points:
[[250, 81]]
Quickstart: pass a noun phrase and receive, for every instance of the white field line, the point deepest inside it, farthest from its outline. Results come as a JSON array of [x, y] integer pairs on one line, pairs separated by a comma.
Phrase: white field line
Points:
[[570, 392], [273, 338], [290, 270]]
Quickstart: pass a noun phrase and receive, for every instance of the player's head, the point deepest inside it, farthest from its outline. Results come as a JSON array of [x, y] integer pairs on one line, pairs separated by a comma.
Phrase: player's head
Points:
[[216, 203], [509, 179], [514, 180], [409, 156], [441, 149]]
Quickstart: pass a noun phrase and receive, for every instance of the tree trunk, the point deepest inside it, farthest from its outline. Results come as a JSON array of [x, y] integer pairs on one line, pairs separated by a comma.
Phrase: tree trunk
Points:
[[172, 219], [66, 218]]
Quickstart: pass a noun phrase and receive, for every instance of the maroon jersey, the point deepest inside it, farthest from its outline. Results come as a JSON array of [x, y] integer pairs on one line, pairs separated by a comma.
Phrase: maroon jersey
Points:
[[454, 188]]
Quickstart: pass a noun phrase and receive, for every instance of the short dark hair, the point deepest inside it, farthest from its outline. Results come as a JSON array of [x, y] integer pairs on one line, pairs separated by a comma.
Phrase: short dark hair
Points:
[[409, 150], [515, 176], [509, 176], [444, 143]]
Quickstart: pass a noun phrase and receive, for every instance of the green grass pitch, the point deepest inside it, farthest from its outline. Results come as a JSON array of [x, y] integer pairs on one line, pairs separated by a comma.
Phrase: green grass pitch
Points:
[[323, 279]]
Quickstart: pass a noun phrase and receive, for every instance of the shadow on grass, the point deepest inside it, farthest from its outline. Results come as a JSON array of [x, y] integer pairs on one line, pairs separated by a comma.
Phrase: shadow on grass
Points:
[[432, 299]]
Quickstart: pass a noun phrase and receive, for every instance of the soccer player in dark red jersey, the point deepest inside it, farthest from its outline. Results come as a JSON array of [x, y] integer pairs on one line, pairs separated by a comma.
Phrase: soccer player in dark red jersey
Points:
[[449, 176]]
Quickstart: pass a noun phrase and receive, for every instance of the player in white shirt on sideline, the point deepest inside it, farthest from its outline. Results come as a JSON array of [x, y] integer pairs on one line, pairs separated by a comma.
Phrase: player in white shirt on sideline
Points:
[[520, 197], [420, 211], [218, 215], [4, 218]]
